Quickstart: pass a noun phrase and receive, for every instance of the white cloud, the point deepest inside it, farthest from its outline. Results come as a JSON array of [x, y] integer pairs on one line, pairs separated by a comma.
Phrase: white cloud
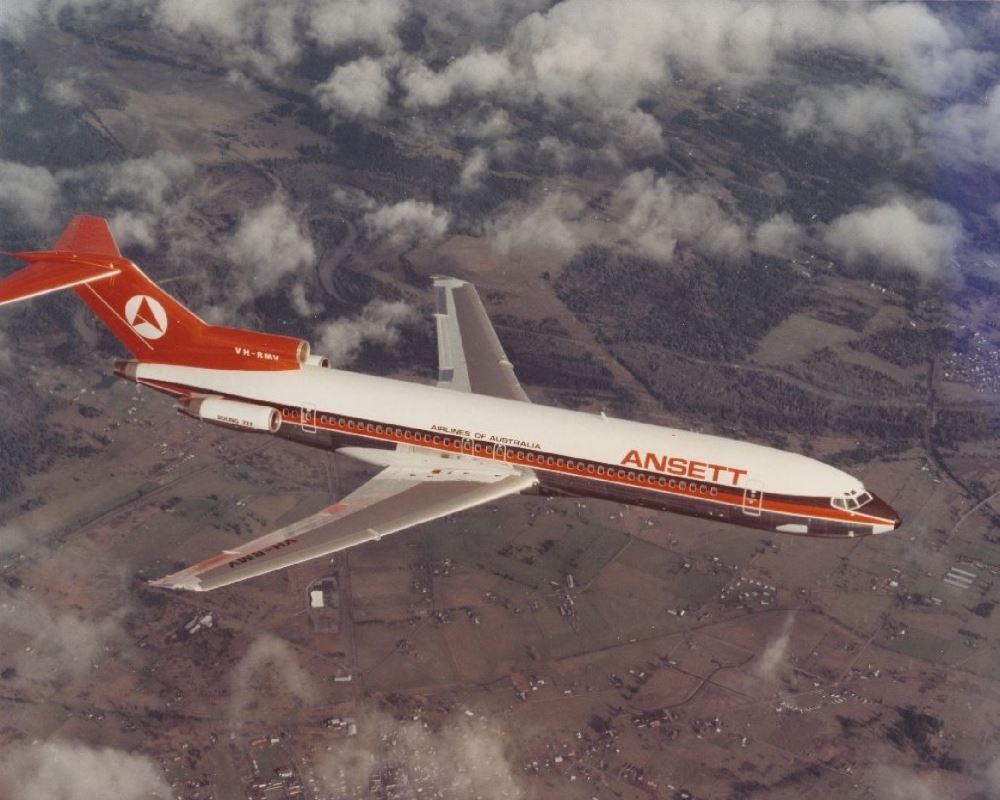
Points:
[[150, 181], [73, 771], [493, 123], [12, 538], [335, 23], [603, 59], [772, 659], [7, 535], [971, 131], [992, 778], [378, 322], [897, 783], [475, 169], [779, 236], [657, 215], [886, 119], [301, 303], [357, 89], [900, 234], [141, 196], [132, 228], [64, 91], [30, 193], [466, 758], [271, 243], [553, 226], [269, 666], [62, 645], [408, 222], [478, 72], [635, 132], [261, 33]]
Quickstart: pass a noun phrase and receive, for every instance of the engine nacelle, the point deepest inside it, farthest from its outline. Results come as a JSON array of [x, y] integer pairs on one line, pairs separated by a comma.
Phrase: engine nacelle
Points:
[[318, 361], [232, 413]]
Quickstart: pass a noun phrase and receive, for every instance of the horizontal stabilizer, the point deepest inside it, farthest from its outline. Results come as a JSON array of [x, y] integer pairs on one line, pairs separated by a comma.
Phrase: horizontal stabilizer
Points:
[[50, 271]]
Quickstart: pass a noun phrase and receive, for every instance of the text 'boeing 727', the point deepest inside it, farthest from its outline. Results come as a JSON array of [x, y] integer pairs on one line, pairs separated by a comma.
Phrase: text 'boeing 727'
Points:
[[472, 439]]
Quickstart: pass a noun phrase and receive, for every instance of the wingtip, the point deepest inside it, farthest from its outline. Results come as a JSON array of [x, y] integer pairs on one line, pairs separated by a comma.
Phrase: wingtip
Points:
[[188, 584], [447, 280]]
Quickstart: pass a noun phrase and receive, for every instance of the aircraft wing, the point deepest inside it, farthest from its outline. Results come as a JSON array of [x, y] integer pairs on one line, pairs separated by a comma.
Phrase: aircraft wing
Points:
[[397, 498], [470, 356]]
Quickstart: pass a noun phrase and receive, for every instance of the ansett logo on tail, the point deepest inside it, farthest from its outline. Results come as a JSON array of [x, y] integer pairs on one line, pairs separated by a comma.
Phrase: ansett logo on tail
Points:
[[146, 316]]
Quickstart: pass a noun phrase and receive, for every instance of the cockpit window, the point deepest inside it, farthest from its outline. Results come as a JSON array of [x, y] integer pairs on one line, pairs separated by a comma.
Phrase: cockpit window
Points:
[[851, 501]]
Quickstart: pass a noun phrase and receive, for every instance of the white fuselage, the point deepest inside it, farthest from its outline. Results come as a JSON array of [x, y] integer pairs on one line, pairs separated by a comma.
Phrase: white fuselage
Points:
[[571, 452]]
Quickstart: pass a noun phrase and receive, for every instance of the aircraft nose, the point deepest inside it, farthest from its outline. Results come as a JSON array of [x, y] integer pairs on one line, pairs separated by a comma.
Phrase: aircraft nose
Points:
[[877, 507]]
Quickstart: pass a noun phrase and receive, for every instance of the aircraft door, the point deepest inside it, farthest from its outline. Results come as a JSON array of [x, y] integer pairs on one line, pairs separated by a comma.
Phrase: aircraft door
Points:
[[468, 446], [753, 498], [500, 452], [307, 419]]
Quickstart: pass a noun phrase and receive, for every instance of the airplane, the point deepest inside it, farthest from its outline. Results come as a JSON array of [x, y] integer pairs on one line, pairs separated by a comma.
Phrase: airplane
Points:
[[473, 438]]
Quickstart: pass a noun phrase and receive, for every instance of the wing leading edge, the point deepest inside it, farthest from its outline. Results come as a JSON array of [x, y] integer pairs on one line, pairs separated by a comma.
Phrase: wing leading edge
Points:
[[470, 356], [395, 499]]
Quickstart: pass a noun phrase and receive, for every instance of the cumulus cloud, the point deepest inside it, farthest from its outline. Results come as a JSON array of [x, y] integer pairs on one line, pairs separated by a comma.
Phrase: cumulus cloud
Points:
[[478, 72], [553, 226], [466, 758], [488, 124], [900, 234], [29, 193], [64, 91], [992, 778], [140, 196], [971, 131], [151, 180], [658, 214], [269, 666], [358, 89], [271, 243], [72, 771], [343, 22], [772, 659], [780, 236], [379, 322], [887, 119], [133, 228], [897, 783], [474, 169], [261, 33], [6, 363], [584, 51], [62, 645], [12, 538], [408, 222]]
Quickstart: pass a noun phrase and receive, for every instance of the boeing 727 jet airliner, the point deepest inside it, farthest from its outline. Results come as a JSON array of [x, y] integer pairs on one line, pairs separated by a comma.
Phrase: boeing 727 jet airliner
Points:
[[472, 439]]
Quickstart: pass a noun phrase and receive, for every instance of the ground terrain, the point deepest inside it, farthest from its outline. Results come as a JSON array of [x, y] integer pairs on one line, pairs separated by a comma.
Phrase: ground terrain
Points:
[[646, 673]]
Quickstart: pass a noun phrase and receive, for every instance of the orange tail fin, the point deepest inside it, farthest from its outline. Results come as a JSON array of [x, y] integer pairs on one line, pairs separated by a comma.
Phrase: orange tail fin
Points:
[[149, 322]]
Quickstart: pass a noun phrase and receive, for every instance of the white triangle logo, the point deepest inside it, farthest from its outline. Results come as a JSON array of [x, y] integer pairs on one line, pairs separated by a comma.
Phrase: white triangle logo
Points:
[[146, 316]]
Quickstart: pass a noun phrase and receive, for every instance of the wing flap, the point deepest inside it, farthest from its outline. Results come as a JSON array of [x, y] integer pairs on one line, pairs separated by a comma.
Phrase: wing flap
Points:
[[388, 503], [470, 356]]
